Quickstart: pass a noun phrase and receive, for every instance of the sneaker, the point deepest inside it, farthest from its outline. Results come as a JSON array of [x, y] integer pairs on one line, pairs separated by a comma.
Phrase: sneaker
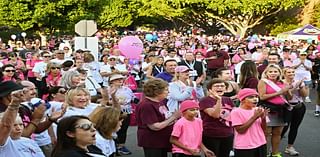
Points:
[[124, 151], [291, 151], [316, 113], [307, 100], [276, 155], [231, 154]]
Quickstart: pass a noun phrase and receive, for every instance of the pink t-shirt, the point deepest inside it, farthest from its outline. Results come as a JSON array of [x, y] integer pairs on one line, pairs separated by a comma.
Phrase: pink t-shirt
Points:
[[188, 133], [254, 137], [277, 100]]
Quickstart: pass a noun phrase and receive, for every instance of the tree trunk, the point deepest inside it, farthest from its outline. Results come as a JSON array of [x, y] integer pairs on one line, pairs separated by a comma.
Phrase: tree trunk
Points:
[[242, 32], [307, 12]]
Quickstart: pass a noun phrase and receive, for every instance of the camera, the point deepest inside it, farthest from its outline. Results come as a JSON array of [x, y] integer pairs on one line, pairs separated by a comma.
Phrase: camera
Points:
[[37, 102]]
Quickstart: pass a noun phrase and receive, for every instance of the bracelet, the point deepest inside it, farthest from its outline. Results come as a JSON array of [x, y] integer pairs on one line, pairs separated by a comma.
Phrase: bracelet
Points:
[[34, 124], [13, 107], [50, 120]]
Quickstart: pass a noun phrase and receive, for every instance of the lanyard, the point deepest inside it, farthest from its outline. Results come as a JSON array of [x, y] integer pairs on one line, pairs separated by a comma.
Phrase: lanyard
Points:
[[191, 66], [159, 70]]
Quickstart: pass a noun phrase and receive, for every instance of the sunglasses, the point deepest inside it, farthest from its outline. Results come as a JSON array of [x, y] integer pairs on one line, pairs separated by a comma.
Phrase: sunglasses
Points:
[[85, 127], [62, 91], [10, 71], [112, 59], [46, 56], [54, 68], [60, 53]]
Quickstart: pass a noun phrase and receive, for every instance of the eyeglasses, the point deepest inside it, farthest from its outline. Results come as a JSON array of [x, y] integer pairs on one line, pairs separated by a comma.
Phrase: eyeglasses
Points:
[[54, 68], [85, 127], [219, 86], [10, 71], [303, 55], [112, 59], [46, 56]]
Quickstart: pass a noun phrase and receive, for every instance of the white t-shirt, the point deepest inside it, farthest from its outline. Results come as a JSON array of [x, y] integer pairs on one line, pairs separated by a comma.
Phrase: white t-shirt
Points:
[[301, 71], [107, 146], [71, 111], [23, 147], [144, 65], [92, 86], [107, 69], [94, 68], [57, 107], [40, 68]]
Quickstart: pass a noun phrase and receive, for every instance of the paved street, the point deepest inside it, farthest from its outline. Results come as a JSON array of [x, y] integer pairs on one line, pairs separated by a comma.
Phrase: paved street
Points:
[[307, 142]]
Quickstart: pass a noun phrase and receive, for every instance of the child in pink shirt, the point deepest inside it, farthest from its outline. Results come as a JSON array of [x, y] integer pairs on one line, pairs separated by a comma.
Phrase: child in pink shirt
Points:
[[186, 137], [249, 122]]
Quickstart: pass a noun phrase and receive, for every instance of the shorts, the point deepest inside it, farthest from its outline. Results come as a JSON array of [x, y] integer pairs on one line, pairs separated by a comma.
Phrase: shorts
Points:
[[275, 120], [307, 83], [261, 151]]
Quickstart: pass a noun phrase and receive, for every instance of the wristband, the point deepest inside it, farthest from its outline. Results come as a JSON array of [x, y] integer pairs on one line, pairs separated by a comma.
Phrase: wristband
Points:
[[50, 120], [34, 124]]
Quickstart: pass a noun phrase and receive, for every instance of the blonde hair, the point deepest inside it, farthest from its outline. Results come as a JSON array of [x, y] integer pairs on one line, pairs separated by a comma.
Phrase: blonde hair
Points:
[[106, 120], [175, 77], [51, 64], [73, 92], [264, 74]]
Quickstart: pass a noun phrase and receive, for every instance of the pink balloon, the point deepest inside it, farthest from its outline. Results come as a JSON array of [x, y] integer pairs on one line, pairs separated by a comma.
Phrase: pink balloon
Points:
[[250, 46], [131, 47]]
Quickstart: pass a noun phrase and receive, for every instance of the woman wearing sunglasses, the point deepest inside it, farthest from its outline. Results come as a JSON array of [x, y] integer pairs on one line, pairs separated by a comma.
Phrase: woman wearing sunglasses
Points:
[[76, 136], [17, 63], [9, 73], [53, 74]]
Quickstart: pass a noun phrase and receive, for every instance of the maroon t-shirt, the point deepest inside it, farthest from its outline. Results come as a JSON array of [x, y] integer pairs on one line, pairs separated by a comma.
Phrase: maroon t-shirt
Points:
[[261, 68], [251, 82], [219, 62], [150, 112], [216, 127]]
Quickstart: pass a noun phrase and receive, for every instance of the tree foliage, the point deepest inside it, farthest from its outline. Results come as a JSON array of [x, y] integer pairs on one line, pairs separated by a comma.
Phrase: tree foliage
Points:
[[49, 15], [236, 15], [118, 13]]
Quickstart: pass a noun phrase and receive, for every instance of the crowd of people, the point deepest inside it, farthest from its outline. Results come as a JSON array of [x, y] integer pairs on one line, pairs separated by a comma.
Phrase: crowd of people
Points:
[[188, 94]]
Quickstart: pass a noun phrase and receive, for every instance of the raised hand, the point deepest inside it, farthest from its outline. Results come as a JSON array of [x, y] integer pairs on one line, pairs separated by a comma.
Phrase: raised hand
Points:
[[258, 112], [215, 94], [39, 111], [17, 97], [55, 115]]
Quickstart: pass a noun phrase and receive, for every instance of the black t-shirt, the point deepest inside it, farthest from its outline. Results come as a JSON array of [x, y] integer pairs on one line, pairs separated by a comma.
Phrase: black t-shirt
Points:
[[94, 151]]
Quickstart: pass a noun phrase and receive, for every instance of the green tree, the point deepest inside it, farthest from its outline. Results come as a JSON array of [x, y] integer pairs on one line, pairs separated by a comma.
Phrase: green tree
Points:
[[118, 13], [48, 15], [235, 15]]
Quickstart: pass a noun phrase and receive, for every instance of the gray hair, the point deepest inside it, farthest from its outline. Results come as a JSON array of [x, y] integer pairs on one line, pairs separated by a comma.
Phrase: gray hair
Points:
[[66, 79]]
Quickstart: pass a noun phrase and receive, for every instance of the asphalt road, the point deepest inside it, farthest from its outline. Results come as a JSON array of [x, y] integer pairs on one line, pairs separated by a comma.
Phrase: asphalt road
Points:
[[307, 142]]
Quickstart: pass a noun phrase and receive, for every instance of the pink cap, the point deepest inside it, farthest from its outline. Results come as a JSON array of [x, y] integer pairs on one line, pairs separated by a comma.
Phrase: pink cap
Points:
[[181, 68], [188, 104], [245, 92]]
